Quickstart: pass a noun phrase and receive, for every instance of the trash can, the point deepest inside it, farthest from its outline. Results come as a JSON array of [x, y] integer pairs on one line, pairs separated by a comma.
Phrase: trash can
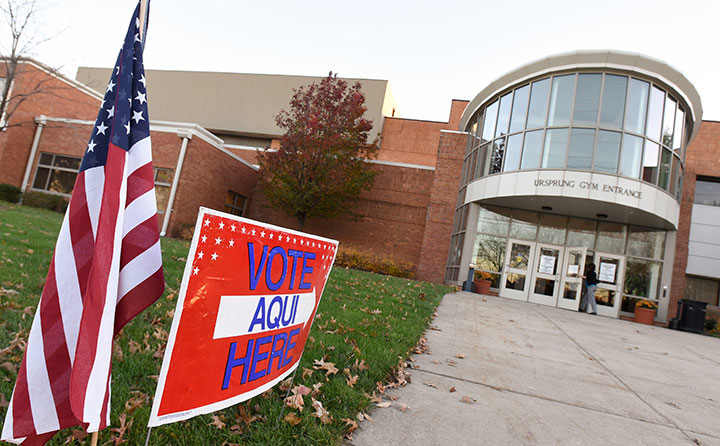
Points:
[[693, 316]]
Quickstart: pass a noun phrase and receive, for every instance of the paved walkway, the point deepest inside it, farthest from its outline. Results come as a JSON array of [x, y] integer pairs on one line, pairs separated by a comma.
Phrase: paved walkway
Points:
[[536, 375]]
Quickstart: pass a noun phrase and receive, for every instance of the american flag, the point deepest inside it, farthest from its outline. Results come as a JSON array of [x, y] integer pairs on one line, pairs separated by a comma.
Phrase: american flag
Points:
[[106, 269]]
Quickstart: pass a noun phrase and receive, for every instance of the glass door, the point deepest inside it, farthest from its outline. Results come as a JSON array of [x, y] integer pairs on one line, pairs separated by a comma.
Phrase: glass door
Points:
[[516, 277], [571, 283], [609, 270], [545, 284]]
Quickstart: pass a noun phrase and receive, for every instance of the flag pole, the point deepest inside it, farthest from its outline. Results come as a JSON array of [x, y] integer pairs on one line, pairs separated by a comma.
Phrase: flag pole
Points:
[[94, 438], [144, 13]]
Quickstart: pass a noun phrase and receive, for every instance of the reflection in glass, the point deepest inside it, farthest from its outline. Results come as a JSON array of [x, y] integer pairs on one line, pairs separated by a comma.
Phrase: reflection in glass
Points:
[[492, 221], [68, 162], [587, 99], [664, 176], [489, 253], [702, 290], [611, 237], [514, 149], [62, 181], [41, 178], [650, 162], [46, 159], [637, 106], [548, 261], [642, 278], [503, 119], [646, 243], [519, 109], [678, 138], [489, 124], [532, 149], [655, 113], [544, 287], [570, 292], [706, 192], [519, 256], [574, 260], [613, 101], [161, 197], [555, 148], [581, 232], [552, 229], [538, 104], [604, 297], [630, 157], [515, 282], [496, 158], [561, 100], [481, 169], [524, 225], [164, 176], [580, 154], [674, 176], [668, 122], [607, 152]]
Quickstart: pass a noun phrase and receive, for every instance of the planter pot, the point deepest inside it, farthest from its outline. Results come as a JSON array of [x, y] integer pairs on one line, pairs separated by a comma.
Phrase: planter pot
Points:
[[482, 286], [645, 316]]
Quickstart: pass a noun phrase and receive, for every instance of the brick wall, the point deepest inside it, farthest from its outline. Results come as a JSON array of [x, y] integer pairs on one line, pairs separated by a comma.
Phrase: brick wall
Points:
[[436, 240], [394, 211], [702, 158], [206, 176], [61, 99]]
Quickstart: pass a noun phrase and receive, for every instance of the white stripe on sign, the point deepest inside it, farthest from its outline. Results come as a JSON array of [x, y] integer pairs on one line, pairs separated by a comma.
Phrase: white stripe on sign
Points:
[[241, 315]]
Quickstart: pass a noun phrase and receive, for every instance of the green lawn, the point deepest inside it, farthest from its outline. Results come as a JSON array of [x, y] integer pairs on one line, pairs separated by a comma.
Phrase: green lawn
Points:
[[362, 317]]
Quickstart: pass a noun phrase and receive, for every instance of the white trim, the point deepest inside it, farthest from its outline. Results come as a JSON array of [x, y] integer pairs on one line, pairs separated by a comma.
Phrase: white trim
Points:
[[396, 164], [453, 131], [41, 121], [57, 75], [252, 148]]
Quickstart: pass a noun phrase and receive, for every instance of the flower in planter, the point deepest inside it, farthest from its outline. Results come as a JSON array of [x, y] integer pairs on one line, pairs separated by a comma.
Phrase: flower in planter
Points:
[[645, 303], [484, 275]]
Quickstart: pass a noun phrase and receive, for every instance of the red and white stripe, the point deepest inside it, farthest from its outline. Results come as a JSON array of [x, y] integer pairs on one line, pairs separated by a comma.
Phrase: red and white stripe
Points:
[[107, 268]]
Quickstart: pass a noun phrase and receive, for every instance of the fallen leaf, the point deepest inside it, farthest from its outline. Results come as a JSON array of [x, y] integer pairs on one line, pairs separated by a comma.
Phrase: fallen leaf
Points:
[[468, 400], [352, 380], [292, 419], [460, 356], [77, 434], [117, 352], [3, 401], [352, 424], [452, 389], [316, 388], [434, 386], [9, 366], [133, 346], [217, 421], [328, 366], [301, 390], [321, 412], [384, 405], [28, 311], [135, 401], [120, 430], [401, 407], [307, 372], [360, 365], [295, 402], [375, 398]]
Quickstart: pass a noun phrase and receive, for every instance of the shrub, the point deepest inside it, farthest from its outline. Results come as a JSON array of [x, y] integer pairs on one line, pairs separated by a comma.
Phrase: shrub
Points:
[[55, 203], [711, 325], [10, 193], [354, 259]]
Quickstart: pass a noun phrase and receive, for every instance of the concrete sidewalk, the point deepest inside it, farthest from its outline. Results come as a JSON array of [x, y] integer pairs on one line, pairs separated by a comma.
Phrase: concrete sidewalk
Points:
[[538, 375]]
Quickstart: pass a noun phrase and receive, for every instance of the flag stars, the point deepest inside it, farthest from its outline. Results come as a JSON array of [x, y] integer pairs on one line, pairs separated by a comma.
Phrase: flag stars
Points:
[[221, 225], [110, 86], [218, 241], [101, 128], [207, 222], [127, 127], [214, 256], [91, 146], [142, 80], [141, 98], [137, 116], [111, 112]]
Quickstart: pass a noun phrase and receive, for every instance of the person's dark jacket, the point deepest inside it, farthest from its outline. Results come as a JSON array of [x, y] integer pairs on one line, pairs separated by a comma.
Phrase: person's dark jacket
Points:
[[591, 278]]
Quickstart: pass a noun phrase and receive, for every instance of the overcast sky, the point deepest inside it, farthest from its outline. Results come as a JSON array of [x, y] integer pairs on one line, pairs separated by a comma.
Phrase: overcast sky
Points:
[[430, 51]]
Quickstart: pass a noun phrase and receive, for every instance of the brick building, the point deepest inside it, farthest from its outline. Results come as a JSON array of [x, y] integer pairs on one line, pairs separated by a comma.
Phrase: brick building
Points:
[[584, 157]]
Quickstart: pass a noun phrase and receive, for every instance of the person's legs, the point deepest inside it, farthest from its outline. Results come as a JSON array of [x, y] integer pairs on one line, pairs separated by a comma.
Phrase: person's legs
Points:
[[591, 298], [583, 301]]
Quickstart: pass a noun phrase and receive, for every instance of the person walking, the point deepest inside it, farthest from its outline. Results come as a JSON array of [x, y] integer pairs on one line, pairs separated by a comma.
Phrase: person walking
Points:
[[591, 282]]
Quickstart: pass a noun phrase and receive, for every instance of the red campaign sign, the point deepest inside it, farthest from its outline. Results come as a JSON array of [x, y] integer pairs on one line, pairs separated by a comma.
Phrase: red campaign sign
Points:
[[247, 301]]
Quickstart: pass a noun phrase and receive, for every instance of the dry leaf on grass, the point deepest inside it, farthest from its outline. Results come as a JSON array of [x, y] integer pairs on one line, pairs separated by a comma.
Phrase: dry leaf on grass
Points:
[[28, 311], [218, 421], [329, 367], [295, 402], [3, 401], [133, 346], [321, 412], [316, 389], [307, 372], [120, 430], [352, 424], [468, 400], [77, 434], [135, 401], [384, 405], [351, 380], [360, 365], [292, 419]]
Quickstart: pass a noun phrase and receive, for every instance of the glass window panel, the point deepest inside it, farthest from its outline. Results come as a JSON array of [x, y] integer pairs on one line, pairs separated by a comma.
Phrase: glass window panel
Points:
[[655, 113], [665, 161], [580, 155], [555, 148], [642, 279], [498, 150], [611, 237], [678, 139], [646, 243], [519, 256], [41, 178], [630, 156], [550, 254], [514, 281], [489, 253], [482, 161], [503, 119], [706, 192], [473, 165], [519, 109], [161, 198], [581, 233], [607, 151], [674, 176], [45, 159], [524, 225], [164, 176], [587, 99], [552, 229], [613, 101], [637, 106], [514, 149], [537, 112], [62, 181], [702, 290], [605, 297], [489, 124], [495, 221], [561, 98], [532, 149], [650, 162], [67, 162], [668, 122]]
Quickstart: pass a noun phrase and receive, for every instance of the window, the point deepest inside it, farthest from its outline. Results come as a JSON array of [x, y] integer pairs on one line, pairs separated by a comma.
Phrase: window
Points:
[[56, 173], [702, 290], [163, 180], [707, 191], [235, 203]]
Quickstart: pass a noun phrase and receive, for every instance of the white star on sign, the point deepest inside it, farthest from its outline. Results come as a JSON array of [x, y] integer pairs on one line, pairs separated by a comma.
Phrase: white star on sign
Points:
[[207, 222], [141, 97], [137, 116], [200, 255], [127, 127], [91, 146], [272, 235], [111, 112], [313, 244], [110, 86], [142, 80], [279, 237], [221, 225], [218, 241], [232, 228], [231, 243], [101, 128], [262, 234], [301, 241], [214, 256], [243, 229], [252, 232], [203, 238], [195, 271]]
